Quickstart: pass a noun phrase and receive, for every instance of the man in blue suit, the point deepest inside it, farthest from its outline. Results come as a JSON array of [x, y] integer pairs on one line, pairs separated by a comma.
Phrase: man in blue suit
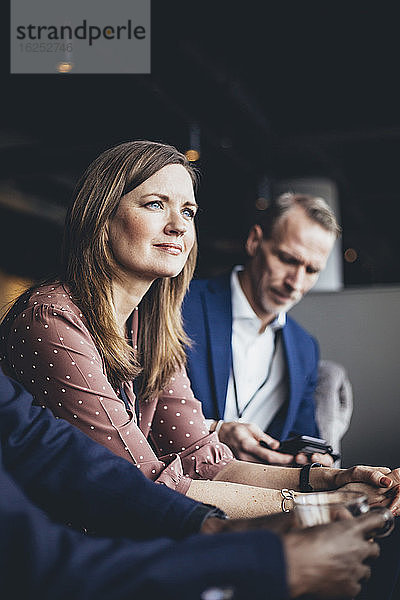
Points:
[[145, 540], [254, 368]]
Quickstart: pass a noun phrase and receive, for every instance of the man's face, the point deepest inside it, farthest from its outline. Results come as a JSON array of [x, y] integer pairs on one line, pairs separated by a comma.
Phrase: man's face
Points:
[[282, 269]]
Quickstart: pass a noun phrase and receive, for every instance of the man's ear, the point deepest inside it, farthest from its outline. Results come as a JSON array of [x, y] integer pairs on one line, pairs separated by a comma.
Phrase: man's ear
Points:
[[254, 240]]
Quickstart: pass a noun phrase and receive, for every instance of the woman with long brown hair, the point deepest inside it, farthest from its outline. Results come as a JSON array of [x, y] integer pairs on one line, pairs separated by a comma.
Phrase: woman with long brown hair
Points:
[[103, 346]]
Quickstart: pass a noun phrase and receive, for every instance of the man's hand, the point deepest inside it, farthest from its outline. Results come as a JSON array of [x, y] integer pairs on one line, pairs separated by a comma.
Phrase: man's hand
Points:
[[244, 441], [328, 561], [325, 460]]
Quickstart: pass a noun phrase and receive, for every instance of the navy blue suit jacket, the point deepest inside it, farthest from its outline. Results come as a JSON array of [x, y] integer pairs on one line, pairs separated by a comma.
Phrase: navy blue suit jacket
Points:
[[51, 473], [207, 314]]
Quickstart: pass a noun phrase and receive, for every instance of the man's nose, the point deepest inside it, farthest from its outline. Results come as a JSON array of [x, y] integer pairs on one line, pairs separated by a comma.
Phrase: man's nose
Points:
[[295, 277]]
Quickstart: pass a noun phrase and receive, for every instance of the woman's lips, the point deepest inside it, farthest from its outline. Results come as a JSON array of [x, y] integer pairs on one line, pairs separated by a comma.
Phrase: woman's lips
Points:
[[174, 249]]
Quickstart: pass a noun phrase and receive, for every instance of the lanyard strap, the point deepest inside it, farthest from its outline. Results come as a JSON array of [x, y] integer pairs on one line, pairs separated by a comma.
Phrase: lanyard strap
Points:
[[238, 411], [124, 397], [127, 402]]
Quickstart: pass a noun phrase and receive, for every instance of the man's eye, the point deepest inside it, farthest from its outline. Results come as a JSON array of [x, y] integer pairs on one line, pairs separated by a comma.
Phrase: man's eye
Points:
[[286, 259]]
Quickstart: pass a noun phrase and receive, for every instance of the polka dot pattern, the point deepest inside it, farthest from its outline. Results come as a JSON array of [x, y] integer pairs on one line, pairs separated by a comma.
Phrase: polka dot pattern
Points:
[[50, 350]]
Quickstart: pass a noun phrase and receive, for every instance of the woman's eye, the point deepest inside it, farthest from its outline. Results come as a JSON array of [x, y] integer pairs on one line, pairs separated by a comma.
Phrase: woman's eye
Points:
[[154, 204]]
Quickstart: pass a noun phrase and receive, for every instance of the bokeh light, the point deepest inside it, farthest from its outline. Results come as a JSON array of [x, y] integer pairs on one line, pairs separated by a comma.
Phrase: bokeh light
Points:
[[350, 255]]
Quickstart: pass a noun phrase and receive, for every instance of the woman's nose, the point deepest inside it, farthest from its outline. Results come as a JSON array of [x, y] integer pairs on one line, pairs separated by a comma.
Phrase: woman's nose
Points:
[[176, 224]]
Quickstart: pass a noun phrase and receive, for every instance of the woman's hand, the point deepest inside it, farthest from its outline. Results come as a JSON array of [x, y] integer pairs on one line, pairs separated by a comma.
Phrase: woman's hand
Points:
[[394, 475], [374, 476], [389, 498], [331, 479], [380, 484]]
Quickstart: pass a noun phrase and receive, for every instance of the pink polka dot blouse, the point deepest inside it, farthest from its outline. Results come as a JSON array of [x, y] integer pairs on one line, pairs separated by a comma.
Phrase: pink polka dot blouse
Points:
[[49, 349]]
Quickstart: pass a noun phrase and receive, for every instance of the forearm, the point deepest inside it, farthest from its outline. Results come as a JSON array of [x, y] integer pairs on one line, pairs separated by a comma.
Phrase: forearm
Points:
[[275, 478], [237, 500]]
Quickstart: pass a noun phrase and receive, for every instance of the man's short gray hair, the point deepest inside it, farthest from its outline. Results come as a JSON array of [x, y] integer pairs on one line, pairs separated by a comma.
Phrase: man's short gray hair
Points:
[[316, 208]]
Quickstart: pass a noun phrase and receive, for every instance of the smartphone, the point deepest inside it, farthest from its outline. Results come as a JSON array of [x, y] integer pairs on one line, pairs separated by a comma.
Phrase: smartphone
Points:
[[305, 444]]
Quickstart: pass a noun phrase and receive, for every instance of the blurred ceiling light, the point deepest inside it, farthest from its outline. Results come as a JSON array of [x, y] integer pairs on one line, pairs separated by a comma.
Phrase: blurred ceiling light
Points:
[[192, 155], [350, 255], [65, 67], [262, 203], [12, 198]]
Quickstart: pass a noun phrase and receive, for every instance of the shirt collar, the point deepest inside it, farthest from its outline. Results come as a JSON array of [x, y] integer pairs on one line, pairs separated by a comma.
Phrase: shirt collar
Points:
[[241, 308]]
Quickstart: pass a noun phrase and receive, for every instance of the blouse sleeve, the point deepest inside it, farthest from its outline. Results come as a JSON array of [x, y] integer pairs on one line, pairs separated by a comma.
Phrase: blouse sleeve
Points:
[[51, 352], [179, 427]]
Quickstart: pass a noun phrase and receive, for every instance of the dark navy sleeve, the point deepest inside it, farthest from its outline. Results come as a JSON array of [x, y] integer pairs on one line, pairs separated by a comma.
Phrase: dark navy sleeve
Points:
[[42, 559], [76, 480], [306, 423]]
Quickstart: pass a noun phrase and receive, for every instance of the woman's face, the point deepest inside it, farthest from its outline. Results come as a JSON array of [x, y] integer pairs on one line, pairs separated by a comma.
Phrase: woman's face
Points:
[[152, 232]]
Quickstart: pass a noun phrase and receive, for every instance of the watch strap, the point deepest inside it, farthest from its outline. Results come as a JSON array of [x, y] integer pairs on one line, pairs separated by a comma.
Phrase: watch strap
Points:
[[304, 480]]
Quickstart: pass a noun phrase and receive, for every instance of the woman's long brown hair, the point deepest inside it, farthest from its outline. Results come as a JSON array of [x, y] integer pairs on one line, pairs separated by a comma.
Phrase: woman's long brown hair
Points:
[[89, 267]]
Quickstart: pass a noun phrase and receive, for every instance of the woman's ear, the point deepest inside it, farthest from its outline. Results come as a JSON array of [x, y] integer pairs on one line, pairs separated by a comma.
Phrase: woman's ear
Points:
[[254, 240]]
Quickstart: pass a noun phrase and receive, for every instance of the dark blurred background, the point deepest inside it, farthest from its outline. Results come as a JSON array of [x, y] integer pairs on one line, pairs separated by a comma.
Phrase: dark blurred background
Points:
[[263, 92]]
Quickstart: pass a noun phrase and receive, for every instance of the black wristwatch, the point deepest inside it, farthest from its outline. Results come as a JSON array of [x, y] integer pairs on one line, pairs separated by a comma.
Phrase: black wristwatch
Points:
[[304, 480]]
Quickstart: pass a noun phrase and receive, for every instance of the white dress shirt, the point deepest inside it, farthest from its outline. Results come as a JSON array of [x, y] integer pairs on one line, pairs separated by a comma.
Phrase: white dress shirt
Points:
[[259, 365]]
